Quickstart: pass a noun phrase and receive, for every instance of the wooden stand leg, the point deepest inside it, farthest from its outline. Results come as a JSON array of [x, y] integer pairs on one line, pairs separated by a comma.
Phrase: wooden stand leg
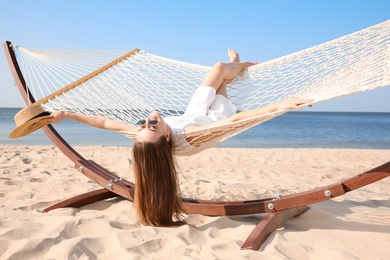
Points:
[[268, 225], [83, 199]]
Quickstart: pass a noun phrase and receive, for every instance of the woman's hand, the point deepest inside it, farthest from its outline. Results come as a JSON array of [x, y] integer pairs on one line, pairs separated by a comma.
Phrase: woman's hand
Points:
[[293, 103], [56, 117]]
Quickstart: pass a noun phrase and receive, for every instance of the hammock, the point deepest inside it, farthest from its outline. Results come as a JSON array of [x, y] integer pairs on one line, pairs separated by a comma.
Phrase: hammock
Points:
[[130, 87], [88, 82]]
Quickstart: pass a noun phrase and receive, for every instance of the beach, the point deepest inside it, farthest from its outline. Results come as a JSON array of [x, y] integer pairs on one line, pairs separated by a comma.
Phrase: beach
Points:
[[353, 226]]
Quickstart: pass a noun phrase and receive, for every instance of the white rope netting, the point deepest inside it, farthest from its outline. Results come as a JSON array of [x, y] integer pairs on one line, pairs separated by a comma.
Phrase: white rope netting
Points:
[[139, 83]]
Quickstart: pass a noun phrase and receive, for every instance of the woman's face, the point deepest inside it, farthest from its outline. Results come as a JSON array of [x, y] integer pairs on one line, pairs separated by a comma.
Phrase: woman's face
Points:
[[153, 128]]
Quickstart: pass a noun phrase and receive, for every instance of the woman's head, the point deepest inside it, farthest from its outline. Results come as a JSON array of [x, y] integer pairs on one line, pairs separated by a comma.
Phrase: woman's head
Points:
[[153, 128], [157, 195]]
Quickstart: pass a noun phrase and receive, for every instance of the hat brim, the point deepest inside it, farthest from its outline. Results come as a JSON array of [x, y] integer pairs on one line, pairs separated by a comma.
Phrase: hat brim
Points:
[[29, 127]]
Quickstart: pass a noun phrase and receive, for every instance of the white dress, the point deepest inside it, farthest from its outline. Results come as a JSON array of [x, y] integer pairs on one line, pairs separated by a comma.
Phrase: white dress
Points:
[[205, 107]]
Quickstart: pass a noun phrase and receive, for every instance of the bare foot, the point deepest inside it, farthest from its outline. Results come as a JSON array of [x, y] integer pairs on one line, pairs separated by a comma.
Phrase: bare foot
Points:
[[233, 55], [248, 64]]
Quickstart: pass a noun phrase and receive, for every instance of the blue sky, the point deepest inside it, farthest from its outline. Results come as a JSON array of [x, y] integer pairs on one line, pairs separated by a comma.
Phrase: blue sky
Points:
[[197, 31]]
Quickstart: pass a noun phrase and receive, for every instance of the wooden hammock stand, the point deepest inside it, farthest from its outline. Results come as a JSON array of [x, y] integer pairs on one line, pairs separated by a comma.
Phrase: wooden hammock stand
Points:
[[279, 209]]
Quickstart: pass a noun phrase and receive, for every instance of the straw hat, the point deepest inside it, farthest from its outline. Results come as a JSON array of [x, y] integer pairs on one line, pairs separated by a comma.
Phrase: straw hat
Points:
[[28, 120]]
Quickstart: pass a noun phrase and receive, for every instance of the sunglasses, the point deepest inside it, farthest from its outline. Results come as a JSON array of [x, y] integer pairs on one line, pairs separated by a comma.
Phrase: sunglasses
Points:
[[143, 121]]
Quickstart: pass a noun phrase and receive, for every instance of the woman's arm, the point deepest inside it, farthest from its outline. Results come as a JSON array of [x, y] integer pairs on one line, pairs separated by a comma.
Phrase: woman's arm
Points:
[[95, 121], [289, 104]]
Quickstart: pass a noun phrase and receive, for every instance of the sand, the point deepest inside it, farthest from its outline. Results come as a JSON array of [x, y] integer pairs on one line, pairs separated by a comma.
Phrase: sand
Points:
[[353, 226]]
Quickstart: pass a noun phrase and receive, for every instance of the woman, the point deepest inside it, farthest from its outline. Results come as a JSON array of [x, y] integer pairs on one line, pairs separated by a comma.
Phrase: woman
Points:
[[157, 195]]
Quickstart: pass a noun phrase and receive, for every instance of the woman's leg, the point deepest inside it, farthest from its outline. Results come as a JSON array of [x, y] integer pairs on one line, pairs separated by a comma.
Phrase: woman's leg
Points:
[[223, 73]]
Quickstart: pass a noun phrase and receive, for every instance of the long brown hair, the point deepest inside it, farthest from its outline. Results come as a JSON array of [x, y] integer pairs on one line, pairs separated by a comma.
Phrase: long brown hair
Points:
[[157, 194]]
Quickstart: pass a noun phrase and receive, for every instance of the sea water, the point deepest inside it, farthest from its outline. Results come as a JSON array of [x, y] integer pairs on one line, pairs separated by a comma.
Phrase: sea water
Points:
[[298, 129]]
